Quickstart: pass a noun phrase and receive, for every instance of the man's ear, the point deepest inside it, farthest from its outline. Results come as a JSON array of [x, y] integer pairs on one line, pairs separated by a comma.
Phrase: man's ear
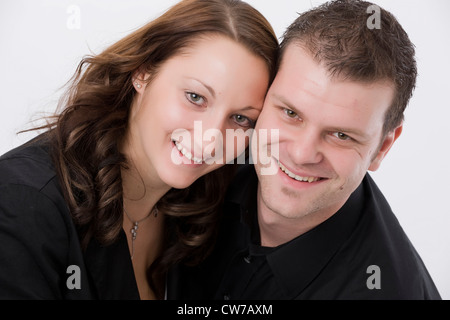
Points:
[[385, 147]]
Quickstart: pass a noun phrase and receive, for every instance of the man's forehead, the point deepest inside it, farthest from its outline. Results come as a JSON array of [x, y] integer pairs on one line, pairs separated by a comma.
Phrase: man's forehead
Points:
[[302, 78]]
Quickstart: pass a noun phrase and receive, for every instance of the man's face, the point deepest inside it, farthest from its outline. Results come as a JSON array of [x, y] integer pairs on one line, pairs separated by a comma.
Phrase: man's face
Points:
[[330, 134]]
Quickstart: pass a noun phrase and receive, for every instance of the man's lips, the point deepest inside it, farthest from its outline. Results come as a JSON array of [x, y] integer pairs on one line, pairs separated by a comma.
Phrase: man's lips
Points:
[[297, 177]]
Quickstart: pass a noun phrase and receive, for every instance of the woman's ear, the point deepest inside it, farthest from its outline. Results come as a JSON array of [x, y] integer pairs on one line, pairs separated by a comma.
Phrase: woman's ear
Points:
[[137, 85], [385, 147], [140, 80]]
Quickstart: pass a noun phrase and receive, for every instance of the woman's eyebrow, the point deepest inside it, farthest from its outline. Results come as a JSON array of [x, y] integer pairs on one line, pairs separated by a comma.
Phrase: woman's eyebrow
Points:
[[250, 108], [209, 88]]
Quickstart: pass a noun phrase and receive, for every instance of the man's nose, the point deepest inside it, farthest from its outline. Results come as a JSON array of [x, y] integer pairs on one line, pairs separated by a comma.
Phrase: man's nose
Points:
[[306, 147]]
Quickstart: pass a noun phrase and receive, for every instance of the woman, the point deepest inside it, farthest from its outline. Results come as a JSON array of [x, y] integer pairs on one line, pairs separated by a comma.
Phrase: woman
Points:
[[111, 196]]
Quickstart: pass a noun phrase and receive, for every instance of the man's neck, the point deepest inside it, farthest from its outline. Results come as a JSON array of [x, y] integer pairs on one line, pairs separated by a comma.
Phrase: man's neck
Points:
[[276, 229], [275, 232]]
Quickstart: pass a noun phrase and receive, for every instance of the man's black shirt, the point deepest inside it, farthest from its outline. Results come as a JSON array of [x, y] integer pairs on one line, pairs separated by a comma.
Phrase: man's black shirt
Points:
[[361, 252]]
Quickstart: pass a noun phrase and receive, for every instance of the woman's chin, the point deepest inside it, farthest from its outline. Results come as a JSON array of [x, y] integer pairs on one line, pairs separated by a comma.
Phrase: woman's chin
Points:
[[180, 181]]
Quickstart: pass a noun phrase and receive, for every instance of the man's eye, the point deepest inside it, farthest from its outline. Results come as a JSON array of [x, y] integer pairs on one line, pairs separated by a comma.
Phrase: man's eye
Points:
[[195, 98], [341, 136], [290, 113]]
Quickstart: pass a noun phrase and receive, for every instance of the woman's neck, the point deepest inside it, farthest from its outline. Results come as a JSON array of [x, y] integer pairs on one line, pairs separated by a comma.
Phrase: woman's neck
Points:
[[142, 189], [140, 196]]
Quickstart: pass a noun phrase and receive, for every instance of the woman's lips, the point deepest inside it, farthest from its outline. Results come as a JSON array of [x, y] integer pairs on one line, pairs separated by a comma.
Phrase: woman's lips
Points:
[[187, 154]]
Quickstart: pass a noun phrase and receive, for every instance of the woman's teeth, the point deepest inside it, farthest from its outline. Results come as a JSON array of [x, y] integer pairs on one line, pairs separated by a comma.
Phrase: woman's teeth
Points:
[[297, 177], [187, 154]]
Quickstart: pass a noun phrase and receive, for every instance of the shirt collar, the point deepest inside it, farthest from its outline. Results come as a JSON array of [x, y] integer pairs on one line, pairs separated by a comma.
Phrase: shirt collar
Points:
[[296, 263], [299, 261]]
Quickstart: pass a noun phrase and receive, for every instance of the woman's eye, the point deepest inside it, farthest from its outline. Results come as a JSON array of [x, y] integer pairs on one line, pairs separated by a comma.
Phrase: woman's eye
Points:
[[290, 113], [341, 136], [195, 98], [243, 121]]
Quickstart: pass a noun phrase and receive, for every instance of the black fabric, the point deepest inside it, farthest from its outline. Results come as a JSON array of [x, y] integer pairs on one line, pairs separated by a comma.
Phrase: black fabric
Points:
[[39, 241], [330, 261]]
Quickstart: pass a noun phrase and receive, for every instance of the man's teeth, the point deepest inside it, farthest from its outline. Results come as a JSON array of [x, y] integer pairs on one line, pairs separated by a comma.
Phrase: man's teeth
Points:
[[187, 154], [296, 177]]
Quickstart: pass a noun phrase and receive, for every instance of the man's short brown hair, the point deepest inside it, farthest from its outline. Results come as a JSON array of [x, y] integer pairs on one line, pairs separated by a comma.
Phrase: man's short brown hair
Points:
[[337, 34]]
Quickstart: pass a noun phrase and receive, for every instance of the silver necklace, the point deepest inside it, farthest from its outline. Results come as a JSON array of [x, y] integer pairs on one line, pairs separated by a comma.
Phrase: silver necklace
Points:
[[135, 224]]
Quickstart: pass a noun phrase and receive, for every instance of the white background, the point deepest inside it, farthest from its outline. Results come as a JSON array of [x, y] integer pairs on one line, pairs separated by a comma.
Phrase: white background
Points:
[[39, 53]]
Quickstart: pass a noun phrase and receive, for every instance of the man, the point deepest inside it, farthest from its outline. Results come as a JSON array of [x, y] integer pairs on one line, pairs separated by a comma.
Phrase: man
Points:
[[320, 228]]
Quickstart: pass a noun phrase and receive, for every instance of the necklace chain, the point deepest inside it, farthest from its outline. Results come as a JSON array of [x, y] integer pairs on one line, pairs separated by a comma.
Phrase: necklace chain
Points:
[[134, 229]]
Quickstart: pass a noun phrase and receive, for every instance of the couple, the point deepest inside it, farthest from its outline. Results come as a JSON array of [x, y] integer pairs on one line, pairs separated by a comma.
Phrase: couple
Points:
[[96, 208]]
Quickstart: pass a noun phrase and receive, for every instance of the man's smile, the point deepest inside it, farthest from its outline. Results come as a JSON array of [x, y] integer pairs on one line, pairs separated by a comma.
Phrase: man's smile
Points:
[[297, 177]]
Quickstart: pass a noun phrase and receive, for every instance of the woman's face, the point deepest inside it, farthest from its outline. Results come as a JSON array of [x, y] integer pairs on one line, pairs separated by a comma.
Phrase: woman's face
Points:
[[180, 121]]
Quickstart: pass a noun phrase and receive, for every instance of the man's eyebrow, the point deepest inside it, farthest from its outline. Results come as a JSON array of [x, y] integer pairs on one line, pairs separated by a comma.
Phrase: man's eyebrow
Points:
[[288, 104], [350, 131], [209, 88]]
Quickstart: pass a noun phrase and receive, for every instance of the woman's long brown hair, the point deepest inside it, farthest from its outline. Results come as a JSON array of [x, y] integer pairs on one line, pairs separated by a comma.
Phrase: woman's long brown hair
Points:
[[86, 135]]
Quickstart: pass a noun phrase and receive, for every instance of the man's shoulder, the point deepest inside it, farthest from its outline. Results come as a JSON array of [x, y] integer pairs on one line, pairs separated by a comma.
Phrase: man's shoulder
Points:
[[379, 221], [379, 246]]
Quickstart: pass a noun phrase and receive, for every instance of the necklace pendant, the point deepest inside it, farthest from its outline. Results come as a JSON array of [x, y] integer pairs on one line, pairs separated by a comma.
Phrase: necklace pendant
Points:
[[134, 231]]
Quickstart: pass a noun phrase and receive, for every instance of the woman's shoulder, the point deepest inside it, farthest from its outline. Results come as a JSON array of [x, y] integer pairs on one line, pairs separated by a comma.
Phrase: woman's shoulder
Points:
[[38, 237], [29, 164], [28, 176], [31, 198]]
